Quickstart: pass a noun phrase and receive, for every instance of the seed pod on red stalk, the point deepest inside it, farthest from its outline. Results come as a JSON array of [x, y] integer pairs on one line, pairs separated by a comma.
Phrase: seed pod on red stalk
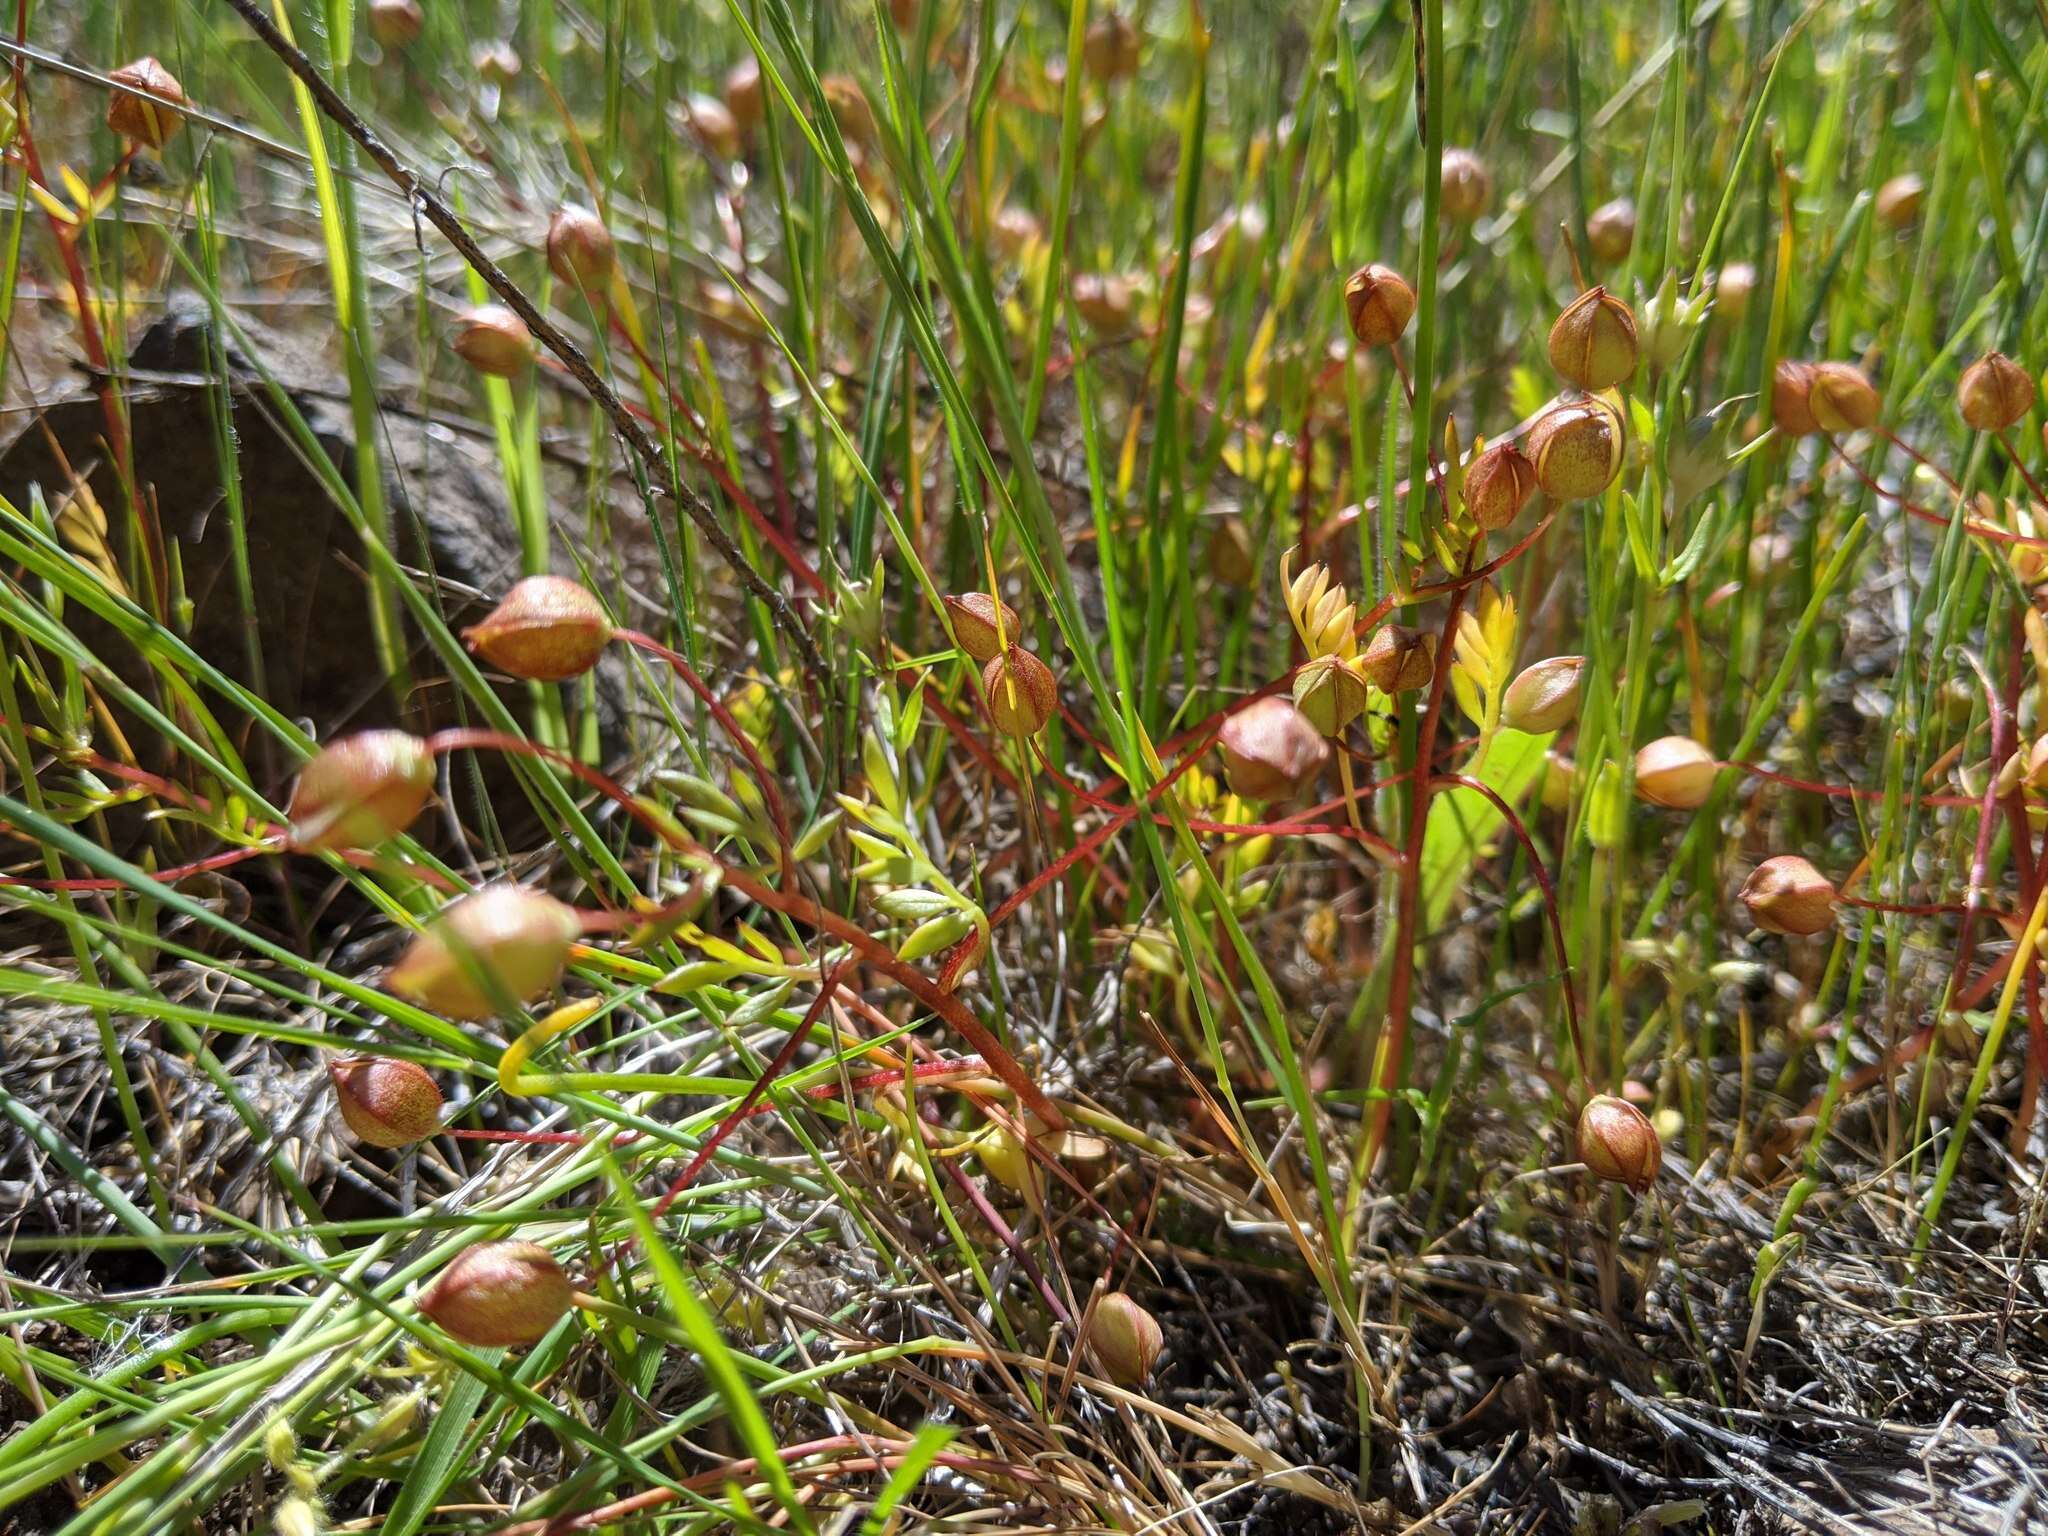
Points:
[[136, 116], [1022, 692], [499, 1295], [360, 791], [387, 1102], [1788, 895], [1617, 1143], [547, 629], [1271, 750], [974, 617], [503, 942]]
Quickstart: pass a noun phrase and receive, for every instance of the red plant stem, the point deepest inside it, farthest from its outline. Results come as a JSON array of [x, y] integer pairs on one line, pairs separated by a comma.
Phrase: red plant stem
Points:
[[168, 876], [1408, 896], [2020, 464], [1009, 1239], [1929, 515], [739, 738], [472, 738], [1550, 910]]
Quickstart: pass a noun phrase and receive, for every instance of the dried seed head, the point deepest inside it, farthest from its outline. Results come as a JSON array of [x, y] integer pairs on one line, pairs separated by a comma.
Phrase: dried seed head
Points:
[[386, 1102], [396, 23], [1544, 696], [580, 250], [1465, 186], [139, 118], [1398, 659], [715, 124], [1617, 1143], [1229, 554], [503, 942], [1015, 230], [360, 791], [1899, 200], [1792, 398], [1126, 1339], [1379, 303], [1593, 343], [1105, 300], [1498, 484], [499, 1295], [547, 629], [850, 108], [1576, 447], [1330, 692], [494, 340], [1994, 393], [1788, 895], [743, 94], [1110, 49], [1675, 772], [1611, 230], [1732, 290], [1022, 692], [1271, 750], [498, 63], [974, 625]]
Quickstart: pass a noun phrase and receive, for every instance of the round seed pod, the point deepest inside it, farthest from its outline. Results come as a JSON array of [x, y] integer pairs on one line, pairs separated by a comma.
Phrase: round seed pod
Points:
[[1498, 484], [580, 249], [1015, 230], [1465, 186], [1111, 47], [974, 625], [1329, 693], [1611, 230], [1126, 1339], [547, 629], [743, 94], [1271, 750], [1899, 200], [387, 1102], [1994, 393], [493, 340], [498, 63], [1593, 343], [499, 1295], [1788, 895], [360, 791], [1675, 772], [1544, 695], [139, 118], [1398, 659], [1577, 447], [716, 126], [1022, 692], [1842, 397], [396, 23], [1733, 287], [850, 109], [1379, 303], [1617, 1143], [1105, 301], [503, 941]]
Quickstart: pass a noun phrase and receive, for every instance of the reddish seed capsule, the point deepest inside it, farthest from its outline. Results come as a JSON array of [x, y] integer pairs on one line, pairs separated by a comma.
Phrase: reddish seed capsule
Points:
[[850, 108], [1617, 1143], [1788, 895], [136, 116], [547, 629], [1271, 750], [1465, 186], [505, 941], [498, 63], [716, 126], [974, 619], [1498, 484], [1398, 659], [1111, 47], [499, 1295], [1126, 1338], [1611, 230], [1015, 230], [385, 1101], [1229, 554], [1899, 200], [1022, 692], [1593, 343], [1379, 303], [1994, 393], [580, 250], [360, 791], [493, 340], [396, 23], [1104, 301], [743, 94], [1544, 696], [1732, 290], [1675, 772], [1821, 397], [1576, 447]]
